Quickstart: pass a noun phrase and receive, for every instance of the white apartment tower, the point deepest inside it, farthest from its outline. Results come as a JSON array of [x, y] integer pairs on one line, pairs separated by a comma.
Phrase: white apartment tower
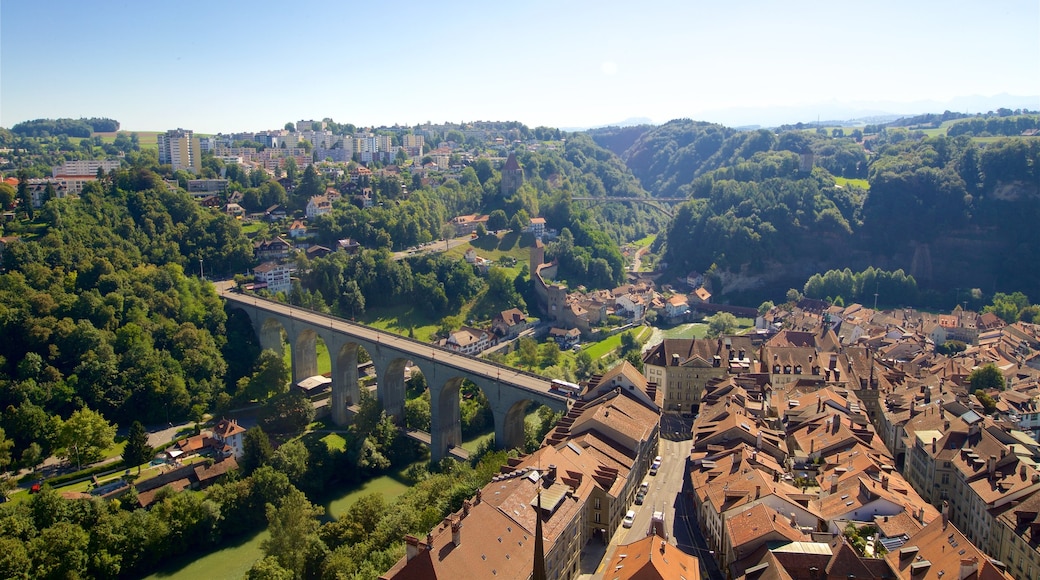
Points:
[[180, 148]]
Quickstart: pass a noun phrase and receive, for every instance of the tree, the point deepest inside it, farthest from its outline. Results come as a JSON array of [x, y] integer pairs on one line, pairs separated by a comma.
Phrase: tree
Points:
[[5, 451], [294, 532], [986, 377], [7, 196], [291, 459], [86, 435], [721, 323], [765, 307], [417, 412], [550, 353], [256, 450], [793, 296], [270, 377], [497, 220], [528, 352], [291, 170], [289, 412], [401, 157], [137, 450], [24, 197], [32, 456]]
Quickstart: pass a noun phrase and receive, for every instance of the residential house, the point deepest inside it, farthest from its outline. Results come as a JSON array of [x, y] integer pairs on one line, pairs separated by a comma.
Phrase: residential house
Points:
[[298, 230], [683, 366], [510, 323], [229, 434], [676, 307], [469, 340], [467, 224], [565, 337], [274, 249], [274, 276], [318, 205]]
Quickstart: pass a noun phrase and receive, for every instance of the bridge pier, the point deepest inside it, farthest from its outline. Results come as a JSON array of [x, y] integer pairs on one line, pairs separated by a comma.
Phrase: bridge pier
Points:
[[390, 389], [445, 418], [509, 425], [304, 347], [345, 389]]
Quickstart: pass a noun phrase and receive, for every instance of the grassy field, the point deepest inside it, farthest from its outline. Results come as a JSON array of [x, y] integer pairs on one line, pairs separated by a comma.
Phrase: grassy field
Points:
[[860, 183], [147, 139], [612, 343], [692, 330], [497, 247], [399, 319]]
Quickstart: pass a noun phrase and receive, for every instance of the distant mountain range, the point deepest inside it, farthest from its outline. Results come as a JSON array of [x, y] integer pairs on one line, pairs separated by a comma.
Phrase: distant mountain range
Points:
[[840, 113]]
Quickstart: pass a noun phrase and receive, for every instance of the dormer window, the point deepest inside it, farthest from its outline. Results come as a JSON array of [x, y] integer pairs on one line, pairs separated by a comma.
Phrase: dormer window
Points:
[[787, 369], [776, 369], [798, 369]]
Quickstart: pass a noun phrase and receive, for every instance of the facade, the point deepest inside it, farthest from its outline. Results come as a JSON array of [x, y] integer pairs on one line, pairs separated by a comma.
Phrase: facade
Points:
[[277, 277], [683, 366], [229, 434], [181, 149]]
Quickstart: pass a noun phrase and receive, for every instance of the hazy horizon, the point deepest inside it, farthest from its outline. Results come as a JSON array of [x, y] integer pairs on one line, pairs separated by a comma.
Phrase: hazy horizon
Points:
[[226, 67]]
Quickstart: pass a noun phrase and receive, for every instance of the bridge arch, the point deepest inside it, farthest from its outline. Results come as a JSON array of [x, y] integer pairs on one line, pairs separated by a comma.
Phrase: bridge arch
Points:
[[390, 385], [272, 333]]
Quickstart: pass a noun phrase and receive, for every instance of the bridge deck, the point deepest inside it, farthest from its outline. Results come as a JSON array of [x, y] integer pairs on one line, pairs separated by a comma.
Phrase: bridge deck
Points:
[[421, 350]]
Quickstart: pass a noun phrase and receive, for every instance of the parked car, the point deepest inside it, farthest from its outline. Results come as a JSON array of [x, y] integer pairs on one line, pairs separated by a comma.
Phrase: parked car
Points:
[[630, 519], [640, 497]]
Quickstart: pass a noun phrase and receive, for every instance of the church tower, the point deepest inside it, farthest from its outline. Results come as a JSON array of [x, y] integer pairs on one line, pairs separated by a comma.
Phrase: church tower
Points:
[[512, 176]]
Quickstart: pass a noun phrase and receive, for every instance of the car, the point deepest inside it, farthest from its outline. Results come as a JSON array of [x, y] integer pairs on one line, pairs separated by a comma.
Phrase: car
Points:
[[640, 497], [644, 487], [653, 469], [630, 518]]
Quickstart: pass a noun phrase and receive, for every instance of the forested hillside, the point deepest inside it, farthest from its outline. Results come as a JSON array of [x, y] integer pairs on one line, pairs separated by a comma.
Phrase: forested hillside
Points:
[[949, 210], [97, 310]]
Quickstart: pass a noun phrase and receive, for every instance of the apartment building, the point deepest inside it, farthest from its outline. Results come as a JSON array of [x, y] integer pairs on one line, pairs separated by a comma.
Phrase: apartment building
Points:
[[181, 149]]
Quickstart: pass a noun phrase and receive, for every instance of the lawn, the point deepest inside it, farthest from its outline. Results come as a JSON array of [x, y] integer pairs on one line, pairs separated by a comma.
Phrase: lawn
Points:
[[845, 181], [147, 139], [612, 343], [497, 247], [691, 330], [402, 318]]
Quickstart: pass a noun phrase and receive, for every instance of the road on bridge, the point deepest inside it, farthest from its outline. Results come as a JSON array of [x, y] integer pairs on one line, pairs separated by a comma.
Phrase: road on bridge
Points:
[[440, 356]]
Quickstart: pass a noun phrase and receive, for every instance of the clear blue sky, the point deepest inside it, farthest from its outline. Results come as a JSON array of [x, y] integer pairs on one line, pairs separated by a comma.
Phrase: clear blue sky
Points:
[[234, 66]]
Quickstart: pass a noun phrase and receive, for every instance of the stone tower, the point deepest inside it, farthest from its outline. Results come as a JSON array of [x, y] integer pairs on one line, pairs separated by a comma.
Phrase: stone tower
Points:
[[512, 176]]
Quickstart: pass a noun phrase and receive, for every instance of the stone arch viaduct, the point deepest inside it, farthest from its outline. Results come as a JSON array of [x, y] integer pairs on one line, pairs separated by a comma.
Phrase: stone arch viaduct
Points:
[[508, 390]]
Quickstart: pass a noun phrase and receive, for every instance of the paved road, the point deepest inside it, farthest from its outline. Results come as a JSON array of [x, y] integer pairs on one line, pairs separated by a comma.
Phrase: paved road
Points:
[[433, 247]]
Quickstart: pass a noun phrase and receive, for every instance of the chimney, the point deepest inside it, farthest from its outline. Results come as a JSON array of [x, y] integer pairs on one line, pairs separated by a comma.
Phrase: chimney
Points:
[[465, 508], [411, 547], [758, 491], [946, 425], [933, 445], [819, 404], [834, 483], [836, 422], [429, 541], [884, 482], [991, 465], [551, 477], [794, 521], [662, 546], [758, 440], [920, 515], [968, 567], [477, 500], [945, 513], [812, 446], [456, 532]]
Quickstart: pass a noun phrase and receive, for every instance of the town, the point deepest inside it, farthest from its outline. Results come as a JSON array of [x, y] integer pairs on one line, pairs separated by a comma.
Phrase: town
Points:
[[321, 307]]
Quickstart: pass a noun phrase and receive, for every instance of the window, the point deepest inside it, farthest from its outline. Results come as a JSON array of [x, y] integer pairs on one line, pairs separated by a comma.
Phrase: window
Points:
[[597, 502]]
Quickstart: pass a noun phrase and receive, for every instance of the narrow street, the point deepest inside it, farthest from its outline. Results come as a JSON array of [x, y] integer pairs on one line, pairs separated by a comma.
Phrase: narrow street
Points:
[[667, 495]]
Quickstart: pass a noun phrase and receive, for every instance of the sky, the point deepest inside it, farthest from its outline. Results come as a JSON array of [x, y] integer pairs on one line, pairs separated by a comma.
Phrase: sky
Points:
[[221, 66]]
